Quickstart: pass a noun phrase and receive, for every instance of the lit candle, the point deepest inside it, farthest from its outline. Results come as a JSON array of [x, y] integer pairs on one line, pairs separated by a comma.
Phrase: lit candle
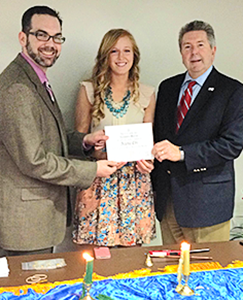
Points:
[[89, 268], [179, 275], [179, 270], [185, 249]]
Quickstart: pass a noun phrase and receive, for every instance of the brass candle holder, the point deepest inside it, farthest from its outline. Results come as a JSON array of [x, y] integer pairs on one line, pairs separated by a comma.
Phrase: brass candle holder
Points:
[[184, 268], [148, 261], [185, 290], [179, 276], [87, 288]]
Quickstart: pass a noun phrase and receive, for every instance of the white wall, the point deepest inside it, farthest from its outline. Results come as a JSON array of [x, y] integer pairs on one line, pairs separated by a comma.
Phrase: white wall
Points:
[[155, 25]]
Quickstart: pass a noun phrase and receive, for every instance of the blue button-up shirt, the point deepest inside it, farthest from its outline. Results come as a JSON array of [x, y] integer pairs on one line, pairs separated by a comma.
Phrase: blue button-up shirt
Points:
[[196, 88]]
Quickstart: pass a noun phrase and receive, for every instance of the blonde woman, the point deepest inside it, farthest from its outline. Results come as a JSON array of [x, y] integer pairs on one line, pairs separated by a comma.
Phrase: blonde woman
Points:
[[118, 210]]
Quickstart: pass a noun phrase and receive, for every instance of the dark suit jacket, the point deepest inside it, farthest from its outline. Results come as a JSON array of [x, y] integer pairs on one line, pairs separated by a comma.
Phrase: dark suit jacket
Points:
[[34, 166], [203, 186]]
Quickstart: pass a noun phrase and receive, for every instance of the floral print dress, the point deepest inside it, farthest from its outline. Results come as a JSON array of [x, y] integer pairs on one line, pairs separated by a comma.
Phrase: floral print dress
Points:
[[117, 210]]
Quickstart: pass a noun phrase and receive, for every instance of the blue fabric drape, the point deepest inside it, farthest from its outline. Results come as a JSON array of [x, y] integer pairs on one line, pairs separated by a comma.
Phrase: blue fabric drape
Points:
[[216, 285]]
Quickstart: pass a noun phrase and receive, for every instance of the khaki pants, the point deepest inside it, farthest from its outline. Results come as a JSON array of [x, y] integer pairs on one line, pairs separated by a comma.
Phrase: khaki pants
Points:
[[172, 233]]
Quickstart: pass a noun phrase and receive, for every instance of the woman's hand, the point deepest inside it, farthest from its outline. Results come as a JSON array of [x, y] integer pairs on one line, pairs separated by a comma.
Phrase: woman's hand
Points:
[[145, 166], [120, 165]]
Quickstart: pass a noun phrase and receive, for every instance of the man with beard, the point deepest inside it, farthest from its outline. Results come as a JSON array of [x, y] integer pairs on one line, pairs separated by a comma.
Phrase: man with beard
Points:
[[35, 170]]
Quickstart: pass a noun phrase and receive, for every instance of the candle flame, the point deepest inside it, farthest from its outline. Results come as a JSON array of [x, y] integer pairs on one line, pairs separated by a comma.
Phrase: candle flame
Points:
[[87, 256], [185, 246]]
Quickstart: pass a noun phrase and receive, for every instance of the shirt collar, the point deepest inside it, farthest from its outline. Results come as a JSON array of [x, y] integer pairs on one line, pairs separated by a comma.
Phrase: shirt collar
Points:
[[40, 73], [200, 80]]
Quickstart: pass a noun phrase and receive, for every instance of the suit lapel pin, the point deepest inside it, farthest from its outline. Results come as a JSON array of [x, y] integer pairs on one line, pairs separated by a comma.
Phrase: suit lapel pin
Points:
[[211, 89]]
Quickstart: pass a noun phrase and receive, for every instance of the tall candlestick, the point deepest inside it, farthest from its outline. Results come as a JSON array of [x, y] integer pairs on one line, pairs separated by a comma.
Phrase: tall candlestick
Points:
[[179, 270], [184, 290], [185, 248], [89, 268], [179, 275]]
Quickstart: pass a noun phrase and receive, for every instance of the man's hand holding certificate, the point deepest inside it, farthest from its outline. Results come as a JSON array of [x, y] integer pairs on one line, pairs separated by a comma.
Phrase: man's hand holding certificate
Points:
[[128, 143]]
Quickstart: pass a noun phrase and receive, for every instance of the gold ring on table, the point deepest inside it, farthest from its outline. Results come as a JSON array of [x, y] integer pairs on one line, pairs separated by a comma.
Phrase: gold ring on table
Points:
[[37, 278]]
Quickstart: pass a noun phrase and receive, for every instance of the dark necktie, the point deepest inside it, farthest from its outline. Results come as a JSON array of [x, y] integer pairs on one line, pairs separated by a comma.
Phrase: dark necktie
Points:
[[49, 90], [184, 104]]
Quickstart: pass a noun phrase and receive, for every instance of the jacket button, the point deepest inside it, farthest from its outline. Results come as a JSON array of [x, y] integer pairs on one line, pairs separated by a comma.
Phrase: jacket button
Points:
[[168, 171]]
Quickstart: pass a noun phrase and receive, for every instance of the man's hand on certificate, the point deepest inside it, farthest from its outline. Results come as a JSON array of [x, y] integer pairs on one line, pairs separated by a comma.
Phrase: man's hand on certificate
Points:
[[166, 150], [96, 139], [105, 168], [145, 166]]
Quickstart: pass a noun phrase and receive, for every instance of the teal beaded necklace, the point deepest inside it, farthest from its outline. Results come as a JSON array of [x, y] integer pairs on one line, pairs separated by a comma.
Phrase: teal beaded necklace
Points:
[[122, 110]]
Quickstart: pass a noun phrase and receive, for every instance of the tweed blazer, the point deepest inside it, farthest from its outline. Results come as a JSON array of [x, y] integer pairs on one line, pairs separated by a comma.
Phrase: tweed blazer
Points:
[[35, 170], [211, 135]]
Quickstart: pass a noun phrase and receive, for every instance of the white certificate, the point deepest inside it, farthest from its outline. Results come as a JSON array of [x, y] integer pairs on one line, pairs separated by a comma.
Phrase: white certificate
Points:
[[129, 142]]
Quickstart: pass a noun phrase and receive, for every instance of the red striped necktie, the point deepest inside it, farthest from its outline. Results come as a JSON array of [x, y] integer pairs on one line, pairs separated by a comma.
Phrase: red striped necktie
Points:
[[184, 104]]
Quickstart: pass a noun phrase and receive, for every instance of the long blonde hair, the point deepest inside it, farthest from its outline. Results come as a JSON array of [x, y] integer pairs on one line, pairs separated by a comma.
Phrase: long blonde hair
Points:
[[101, 75]]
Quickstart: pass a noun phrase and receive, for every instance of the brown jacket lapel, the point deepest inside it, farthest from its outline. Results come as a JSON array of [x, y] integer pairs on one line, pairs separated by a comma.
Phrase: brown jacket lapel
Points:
[[41, 90]]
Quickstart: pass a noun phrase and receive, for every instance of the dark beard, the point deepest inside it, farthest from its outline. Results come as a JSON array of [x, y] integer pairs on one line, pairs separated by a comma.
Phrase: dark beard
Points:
[[39, 60]]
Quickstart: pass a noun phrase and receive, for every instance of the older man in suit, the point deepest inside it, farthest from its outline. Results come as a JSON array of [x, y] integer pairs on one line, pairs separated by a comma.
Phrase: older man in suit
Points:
[[34, 166], [198, 133]]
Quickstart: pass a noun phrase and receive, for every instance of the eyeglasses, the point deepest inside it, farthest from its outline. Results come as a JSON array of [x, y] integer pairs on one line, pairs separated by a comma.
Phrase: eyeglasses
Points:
[[44, 37]]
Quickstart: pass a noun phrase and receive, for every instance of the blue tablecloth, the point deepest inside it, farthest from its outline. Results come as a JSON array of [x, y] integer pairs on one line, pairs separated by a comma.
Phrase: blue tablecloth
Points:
[[216, 285]]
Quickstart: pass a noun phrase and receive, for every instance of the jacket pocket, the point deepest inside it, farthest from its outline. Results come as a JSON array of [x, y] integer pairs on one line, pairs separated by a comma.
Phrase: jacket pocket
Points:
[[216, 178], [35, 194]]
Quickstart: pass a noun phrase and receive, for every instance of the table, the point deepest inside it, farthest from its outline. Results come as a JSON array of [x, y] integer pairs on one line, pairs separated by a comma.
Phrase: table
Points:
[[122, 260]]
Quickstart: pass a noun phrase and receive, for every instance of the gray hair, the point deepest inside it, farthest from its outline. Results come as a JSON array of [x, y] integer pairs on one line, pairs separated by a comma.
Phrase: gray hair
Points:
[[198, 25]]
